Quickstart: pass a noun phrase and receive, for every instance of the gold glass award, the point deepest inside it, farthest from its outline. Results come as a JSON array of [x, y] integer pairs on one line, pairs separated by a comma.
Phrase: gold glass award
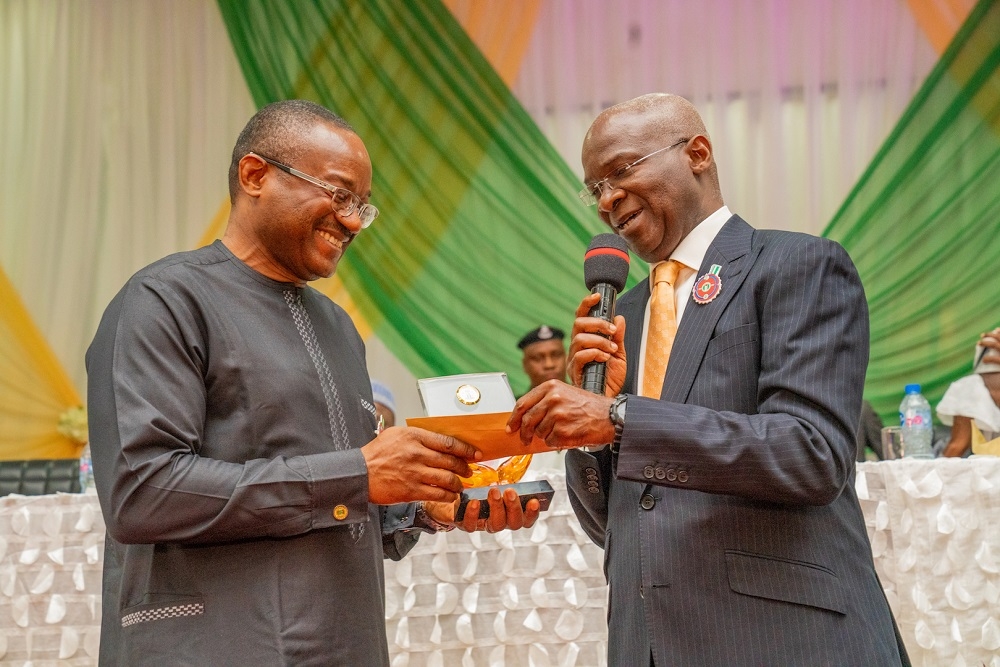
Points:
[[475, 408]]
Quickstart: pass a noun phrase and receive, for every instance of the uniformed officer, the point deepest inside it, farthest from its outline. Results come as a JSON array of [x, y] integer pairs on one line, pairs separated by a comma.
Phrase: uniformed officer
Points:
[[544, 355]]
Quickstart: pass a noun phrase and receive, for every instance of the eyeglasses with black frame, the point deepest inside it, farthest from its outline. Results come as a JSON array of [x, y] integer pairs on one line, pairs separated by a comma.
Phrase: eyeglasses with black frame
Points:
[[343, 201], [592, 193]]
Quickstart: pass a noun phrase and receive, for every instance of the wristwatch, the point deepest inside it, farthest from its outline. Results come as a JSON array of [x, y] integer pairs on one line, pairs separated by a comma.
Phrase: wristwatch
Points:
[[430, 522], [616, 413]]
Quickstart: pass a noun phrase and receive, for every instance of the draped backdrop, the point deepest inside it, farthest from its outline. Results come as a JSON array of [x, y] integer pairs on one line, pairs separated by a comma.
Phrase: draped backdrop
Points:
[[875, 120], [474, 198], [922, 223]]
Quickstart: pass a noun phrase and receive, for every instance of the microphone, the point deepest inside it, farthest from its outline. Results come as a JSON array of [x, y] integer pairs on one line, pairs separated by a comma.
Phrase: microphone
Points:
[[605, 269]]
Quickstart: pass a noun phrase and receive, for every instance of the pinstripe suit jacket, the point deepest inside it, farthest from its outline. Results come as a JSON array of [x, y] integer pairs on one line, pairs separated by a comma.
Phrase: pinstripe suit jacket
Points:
[[731, 528]]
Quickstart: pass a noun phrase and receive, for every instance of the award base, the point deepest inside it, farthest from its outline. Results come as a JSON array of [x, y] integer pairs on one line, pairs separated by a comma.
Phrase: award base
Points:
[[540, 490]]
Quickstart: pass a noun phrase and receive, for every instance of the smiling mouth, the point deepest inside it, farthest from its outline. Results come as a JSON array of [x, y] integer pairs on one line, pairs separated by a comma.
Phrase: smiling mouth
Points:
[[625, 223], [336, 242]]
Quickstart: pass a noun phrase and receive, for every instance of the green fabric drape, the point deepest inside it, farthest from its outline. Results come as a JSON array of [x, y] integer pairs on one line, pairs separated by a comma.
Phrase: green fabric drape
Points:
[[923, 223], [481, 236]]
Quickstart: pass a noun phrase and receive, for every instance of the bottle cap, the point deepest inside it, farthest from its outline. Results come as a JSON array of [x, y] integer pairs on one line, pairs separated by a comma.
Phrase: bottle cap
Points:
[[913, 389]]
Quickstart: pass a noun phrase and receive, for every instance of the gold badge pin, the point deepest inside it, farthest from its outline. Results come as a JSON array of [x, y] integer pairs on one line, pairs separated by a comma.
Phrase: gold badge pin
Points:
[[468, 394], [340, 512]]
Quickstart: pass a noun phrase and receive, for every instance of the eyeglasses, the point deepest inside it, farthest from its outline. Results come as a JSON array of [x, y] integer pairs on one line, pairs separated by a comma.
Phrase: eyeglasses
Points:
[[343, 201], [592, 193]]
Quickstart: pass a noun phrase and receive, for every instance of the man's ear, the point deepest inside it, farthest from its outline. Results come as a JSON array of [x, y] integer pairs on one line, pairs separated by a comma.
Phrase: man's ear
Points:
[[699, 152], [251, 171]]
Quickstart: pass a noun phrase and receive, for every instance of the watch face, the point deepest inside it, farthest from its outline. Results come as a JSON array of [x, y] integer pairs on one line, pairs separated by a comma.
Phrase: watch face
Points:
[[620, 412]]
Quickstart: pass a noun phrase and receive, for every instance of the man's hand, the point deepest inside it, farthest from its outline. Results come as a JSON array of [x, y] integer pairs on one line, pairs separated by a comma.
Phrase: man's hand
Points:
[[505, 512], [563, 416], [407, 464], [597, 340]]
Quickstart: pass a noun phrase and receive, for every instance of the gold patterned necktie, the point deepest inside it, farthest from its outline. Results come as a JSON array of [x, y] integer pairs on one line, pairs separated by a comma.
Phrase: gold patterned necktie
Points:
[[662, 327]]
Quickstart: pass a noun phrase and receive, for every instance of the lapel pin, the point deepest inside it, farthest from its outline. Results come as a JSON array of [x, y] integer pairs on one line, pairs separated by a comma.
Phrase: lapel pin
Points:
[[708, 286]]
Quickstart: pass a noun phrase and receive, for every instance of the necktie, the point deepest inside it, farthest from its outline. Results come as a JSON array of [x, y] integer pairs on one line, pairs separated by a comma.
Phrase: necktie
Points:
[[662, 327]]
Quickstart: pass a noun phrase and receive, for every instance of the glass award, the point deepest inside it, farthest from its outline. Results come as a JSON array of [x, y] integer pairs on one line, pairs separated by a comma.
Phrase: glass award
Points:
[[474, 407]]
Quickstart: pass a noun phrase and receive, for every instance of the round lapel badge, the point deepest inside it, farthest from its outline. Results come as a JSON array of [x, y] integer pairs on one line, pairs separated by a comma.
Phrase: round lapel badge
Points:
[[708, 286]]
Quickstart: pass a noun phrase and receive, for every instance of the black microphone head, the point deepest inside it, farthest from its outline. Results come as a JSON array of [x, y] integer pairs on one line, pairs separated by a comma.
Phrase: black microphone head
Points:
[[606, 261]]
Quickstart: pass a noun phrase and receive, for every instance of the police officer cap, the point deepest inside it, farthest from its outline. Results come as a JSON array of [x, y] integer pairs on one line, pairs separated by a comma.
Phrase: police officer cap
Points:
[[544, 332]]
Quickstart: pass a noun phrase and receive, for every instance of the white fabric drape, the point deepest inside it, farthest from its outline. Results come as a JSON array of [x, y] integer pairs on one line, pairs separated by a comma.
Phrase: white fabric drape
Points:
[[117, 120], [797, 96], [116, 126]]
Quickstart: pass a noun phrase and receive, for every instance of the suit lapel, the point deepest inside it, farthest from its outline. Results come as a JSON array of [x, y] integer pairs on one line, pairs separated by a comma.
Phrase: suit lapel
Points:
[[732, 250]]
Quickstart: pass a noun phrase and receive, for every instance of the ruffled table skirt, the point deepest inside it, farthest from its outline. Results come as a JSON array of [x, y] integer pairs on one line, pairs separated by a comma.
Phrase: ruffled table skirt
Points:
[[538, 597]]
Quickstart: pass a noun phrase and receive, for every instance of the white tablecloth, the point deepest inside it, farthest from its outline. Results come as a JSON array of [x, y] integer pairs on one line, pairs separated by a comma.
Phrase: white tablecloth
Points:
[[537, 597], [935, 532], [51, 555], [530, 597]]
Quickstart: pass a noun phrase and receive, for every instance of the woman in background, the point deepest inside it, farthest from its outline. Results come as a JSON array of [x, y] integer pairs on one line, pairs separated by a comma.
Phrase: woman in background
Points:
[[974, 398]]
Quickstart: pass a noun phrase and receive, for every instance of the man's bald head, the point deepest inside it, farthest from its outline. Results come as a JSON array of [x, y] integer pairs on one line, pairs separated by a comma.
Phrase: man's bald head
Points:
[[650, 164], [664, 115]]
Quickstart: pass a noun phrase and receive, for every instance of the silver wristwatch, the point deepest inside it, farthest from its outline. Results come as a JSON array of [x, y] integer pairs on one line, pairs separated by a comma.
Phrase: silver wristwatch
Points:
[[616, 413]]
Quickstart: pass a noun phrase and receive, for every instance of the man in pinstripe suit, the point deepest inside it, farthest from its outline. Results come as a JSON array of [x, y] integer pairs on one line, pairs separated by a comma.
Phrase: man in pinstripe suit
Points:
[[725, 502]]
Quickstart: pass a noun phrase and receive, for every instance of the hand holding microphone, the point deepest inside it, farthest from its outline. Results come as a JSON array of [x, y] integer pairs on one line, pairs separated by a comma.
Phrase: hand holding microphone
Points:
[[596, 347], [565, 416]]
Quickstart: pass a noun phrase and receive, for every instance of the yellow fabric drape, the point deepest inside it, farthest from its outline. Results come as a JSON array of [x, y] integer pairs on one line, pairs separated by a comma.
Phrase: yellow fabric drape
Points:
[[34, 388]]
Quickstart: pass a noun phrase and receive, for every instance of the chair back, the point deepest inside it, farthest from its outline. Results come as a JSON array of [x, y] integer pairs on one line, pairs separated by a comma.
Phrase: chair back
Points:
[[39, 477]]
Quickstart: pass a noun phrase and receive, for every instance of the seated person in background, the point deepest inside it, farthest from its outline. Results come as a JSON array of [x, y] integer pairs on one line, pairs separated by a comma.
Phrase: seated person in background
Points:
[[974, 398], [869, 432], [385, 403]]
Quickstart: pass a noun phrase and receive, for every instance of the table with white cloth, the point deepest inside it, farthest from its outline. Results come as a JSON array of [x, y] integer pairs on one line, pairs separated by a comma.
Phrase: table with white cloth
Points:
[[530, 597], [51, 556], [537, 597], [515, 598], [934, 526]]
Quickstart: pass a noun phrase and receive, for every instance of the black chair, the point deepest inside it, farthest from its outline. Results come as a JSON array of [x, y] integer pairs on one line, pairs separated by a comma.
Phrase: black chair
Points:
[[40, 476]]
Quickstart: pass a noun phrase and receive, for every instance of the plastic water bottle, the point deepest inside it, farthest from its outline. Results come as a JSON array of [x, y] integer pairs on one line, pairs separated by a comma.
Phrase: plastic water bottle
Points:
[[915, 421], [86, 469]]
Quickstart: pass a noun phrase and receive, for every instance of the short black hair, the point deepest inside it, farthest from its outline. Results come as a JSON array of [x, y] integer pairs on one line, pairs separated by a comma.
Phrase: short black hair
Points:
[[274, 131]]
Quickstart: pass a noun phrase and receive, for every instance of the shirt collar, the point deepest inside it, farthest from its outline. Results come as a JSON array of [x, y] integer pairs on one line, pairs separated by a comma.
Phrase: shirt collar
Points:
[[691, 251]]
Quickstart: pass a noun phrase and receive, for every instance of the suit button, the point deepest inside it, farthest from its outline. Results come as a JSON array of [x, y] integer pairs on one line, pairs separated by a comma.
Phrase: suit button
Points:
[[682, 476], [660, 473], [647, 501], [594, 489], [647, 472], [590, 471], [671, 475], [592, 477]]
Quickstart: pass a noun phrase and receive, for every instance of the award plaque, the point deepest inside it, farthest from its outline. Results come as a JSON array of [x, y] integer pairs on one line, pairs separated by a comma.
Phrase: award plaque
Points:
[[475, 407]]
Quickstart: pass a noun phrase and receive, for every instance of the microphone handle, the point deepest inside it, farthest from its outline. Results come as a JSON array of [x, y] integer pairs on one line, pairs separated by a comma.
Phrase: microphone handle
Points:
[[594, 373]]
